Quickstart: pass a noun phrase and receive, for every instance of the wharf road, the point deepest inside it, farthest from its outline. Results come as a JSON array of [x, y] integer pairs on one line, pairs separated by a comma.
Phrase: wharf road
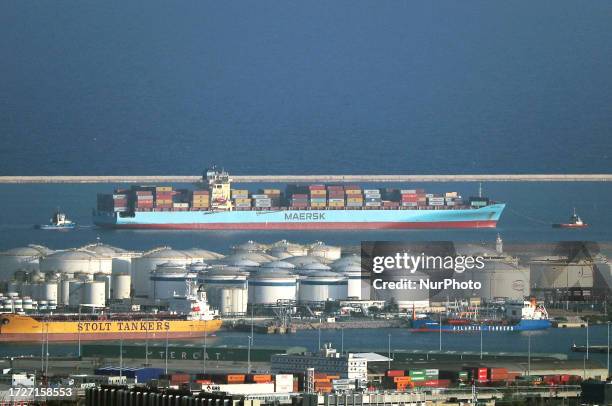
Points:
[[119, 179]]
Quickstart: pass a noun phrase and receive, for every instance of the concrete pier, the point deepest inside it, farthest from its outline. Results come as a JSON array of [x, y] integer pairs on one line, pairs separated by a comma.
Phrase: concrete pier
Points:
[[120, 179]]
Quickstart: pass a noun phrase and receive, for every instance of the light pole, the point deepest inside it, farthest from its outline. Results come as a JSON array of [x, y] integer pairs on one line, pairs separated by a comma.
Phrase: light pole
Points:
[[480, 342], [528, 354], [608, 348], [249, 356], [587, 340], [79, 332], [319, 335], [121, 359], [166, 354], [389, 351], [440, 326], [342, 340]]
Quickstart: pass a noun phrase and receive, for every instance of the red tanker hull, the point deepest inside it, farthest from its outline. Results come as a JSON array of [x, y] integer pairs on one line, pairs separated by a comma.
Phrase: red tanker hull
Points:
[[314, 225]]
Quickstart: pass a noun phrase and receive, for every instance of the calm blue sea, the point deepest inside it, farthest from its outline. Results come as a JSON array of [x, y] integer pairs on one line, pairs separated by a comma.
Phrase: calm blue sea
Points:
[[275, 86], [531, 209]]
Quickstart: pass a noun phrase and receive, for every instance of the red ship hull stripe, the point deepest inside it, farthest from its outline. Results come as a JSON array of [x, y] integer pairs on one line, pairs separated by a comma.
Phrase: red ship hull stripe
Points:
[[37, 337], [313, 226]]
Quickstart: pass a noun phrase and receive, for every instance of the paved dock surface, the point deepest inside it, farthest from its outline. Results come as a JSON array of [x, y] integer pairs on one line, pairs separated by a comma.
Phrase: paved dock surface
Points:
[[316, 178]]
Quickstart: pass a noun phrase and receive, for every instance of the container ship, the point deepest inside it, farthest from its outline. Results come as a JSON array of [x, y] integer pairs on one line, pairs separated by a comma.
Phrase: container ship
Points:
[[196, 320], [525, 316], [215, 205]]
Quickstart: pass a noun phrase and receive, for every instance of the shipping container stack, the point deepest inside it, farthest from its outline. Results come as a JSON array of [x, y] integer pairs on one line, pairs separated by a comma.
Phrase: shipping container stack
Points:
[[120, 201], [163, 197], [200, 200], [318, 196], [275, 196], [299, 201], [397, 379], [412, 198], [335, 196], [262, 201], [143, 200], [373, 198], [323, 382], [354, 197], [241, 199]]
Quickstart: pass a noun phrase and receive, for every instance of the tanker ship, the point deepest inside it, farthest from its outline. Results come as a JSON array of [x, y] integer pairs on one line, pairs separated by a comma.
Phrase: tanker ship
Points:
[[525, 316], [215, 205], [193, 319]]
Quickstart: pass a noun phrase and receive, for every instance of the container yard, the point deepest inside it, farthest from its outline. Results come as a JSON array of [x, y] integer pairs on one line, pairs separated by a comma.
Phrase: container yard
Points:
[[218, 205]]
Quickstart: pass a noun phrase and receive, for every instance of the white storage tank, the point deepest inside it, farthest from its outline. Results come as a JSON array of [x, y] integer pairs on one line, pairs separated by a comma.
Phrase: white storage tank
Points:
[[249, 246], [201, 255], [284, 249], [71, 262], [94, 294], [75, 292], [278, 264], [233, 301], [301, 261], [47, 291], [121, 286], [348, 260], [268, 286], [143, 267], [358, 281], [169, 280], [226, 290], [64, 291], [106, 278], [121, 260], [322, 286], [328, 252], [21, 258]]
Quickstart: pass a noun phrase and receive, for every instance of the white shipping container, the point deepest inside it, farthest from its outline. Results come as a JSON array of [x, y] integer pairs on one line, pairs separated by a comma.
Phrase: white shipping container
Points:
[[240, 388], [283, 383], [180, 205]]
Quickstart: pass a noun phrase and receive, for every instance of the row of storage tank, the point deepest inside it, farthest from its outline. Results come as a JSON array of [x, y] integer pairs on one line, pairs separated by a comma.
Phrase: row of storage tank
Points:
[[251, 273]]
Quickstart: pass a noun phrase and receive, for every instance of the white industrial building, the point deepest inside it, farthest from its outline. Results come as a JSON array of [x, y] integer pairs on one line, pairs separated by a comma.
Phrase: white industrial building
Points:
[[328, 360]]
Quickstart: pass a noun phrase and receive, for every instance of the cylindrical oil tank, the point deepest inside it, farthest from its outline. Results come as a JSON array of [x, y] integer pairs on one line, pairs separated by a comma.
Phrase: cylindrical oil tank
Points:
[[322, 286], [27, 289], [300, 261], [201, 255], [558, 273], [328, 252], [498, 279], [94, 294], [24, 258], [121, 260], [75, 261], [27, 304], [269, 286], [143, 267], [75, 292], [284, 249], [64, 291], [348, 260], [169, 280], [278, 264], [249, 246], [220, 285], [358, 281], [47, 291], [121, 286], [106, 278], [233, 301]]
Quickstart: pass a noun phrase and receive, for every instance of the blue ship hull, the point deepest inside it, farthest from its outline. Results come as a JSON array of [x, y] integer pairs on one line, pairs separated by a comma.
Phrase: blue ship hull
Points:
[[429, 325], [287, 219]]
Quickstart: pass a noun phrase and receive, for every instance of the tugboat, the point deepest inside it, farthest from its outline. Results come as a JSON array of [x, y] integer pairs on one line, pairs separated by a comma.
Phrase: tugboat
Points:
[[59, 221], [574, 222]]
